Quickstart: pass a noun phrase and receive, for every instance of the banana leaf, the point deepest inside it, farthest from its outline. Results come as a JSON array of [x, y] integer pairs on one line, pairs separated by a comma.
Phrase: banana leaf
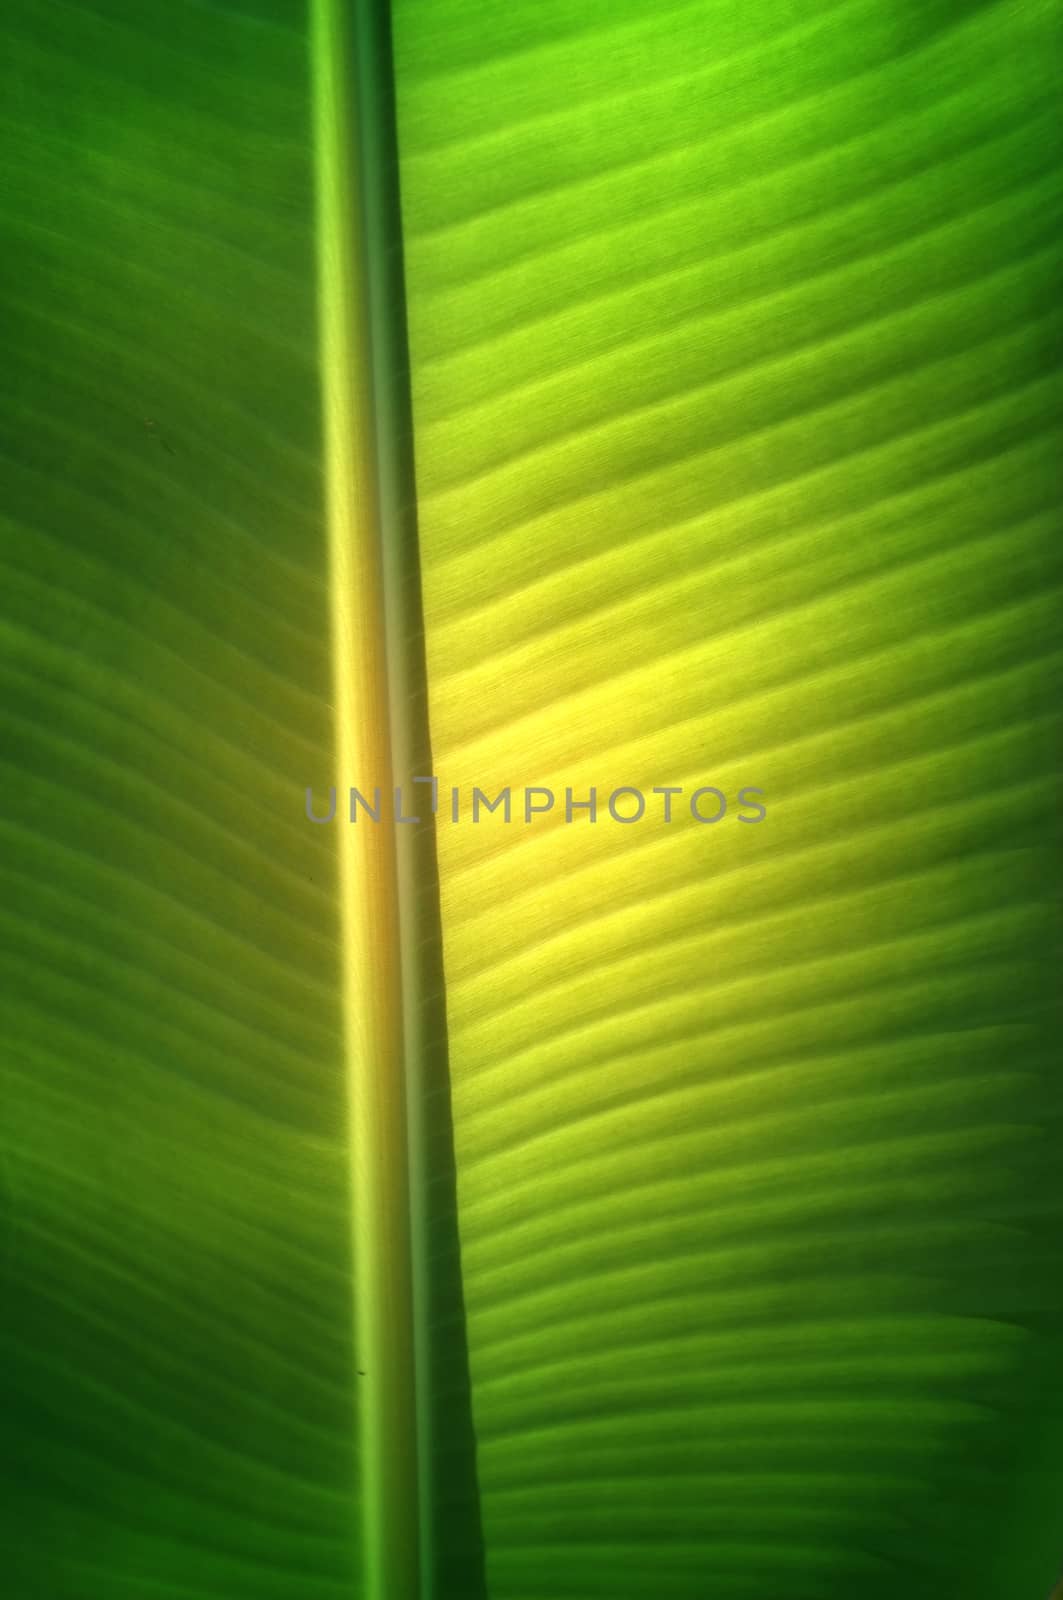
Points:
[[643, 404]]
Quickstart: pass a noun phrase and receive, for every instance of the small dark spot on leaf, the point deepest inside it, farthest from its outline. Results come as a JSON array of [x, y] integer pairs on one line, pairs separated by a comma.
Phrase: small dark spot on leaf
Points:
[[153, 428]]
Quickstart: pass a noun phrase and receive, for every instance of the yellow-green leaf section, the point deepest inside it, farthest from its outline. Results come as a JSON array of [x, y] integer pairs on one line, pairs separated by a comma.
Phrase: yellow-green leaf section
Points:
[[733, 331]]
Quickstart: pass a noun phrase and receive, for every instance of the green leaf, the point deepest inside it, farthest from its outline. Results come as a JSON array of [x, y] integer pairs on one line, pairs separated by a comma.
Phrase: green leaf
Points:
[[552, 1208]]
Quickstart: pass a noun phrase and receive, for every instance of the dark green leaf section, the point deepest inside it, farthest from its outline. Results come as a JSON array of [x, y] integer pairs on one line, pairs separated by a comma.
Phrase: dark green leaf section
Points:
[[175, 1349]]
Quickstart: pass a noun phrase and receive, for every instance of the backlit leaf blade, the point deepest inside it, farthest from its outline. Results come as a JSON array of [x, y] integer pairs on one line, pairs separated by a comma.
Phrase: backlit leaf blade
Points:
[[733, 335], [732, 353]]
